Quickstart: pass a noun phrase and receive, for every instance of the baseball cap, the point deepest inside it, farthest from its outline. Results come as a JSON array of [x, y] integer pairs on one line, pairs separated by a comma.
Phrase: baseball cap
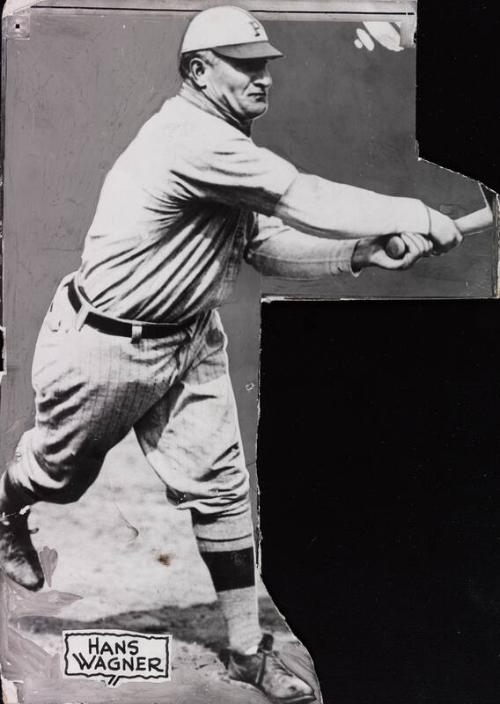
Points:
[[229, 31]]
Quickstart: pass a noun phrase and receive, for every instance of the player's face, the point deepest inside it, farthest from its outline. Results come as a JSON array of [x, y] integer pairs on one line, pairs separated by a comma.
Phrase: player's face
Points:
[[241, 85]]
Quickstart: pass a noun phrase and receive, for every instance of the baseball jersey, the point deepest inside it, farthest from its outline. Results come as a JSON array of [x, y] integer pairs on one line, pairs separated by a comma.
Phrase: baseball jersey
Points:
[[175, 213]]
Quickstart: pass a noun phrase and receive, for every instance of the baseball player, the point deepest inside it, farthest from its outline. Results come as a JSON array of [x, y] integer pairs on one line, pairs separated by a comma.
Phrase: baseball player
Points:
[[133, 339]]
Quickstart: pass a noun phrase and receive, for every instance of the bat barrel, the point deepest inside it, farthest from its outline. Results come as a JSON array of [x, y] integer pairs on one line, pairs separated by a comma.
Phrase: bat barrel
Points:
[[471, 224]]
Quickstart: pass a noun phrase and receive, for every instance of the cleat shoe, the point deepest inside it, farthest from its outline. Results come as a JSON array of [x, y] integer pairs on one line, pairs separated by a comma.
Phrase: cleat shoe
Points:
[[18, 557], [266, 671]]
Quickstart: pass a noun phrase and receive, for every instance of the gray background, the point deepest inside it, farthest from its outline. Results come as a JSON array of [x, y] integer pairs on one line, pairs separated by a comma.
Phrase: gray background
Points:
[[78, 90]]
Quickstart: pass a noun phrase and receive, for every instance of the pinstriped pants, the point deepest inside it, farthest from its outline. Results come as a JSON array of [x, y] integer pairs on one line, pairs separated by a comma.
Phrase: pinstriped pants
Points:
[[92, 388]]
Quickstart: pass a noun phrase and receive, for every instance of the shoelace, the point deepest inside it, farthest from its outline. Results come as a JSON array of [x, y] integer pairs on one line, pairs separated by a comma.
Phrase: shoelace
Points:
[[271, 662]]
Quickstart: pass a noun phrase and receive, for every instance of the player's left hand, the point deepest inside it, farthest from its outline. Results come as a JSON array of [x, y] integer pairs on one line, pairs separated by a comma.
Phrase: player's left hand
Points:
[[371, 252]]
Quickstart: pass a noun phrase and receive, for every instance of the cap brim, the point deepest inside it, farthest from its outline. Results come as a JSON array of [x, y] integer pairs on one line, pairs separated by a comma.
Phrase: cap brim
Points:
[[254, 50]]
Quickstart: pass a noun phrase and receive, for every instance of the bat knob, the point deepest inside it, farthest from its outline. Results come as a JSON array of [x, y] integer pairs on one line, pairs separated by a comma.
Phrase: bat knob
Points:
[[395, 248]]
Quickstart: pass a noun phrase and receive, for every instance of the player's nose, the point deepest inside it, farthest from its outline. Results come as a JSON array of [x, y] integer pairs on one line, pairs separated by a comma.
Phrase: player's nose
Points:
[[263, 78]]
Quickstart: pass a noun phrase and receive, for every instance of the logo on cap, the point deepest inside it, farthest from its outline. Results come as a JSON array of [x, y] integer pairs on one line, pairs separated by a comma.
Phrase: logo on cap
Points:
[[256, 27]]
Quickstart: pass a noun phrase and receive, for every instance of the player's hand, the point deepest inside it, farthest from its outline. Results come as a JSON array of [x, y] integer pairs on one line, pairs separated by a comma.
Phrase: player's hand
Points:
[[443, 232], [371, 252]]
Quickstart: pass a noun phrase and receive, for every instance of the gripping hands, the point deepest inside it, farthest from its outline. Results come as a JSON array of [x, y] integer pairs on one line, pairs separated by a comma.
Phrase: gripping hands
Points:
[[373, 252], [443, 234]]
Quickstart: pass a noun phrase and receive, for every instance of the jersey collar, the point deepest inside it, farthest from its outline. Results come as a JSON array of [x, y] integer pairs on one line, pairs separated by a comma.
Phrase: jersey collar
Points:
[[200, 100]]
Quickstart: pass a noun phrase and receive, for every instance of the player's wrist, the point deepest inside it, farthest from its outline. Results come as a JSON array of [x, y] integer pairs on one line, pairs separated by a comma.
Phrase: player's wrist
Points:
[[411, 215], [361, 256]]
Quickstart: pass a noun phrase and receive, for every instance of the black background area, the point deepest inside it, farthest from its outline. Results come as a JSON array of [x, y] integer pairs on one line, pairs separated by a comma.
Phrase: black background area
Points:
[[379, 443], [458, 104], [380, 494]]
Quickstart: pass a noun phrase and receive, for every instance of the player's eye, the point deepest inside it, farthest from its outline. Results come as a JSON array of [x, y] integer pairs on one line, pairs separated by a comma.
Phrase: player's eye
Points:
[[257, 65]]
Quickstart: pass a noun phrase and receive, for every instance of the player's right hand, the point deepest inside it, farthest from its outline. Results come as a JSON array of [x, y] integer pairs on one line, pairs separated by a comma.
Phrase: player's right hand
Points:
[[372, 252], [443, 232]]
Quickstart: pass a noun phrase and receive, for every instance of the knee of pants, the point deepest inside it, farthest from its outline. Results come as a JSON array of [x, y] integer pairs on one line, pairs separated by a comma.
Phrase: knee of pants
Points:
[[59, 477], [67, 494], [62, 482]]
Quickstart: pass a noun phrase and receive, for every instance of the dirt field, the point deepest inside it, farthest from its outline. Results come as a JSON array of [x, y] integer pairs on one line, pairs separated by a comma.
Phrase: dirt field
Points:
[[133, 561]]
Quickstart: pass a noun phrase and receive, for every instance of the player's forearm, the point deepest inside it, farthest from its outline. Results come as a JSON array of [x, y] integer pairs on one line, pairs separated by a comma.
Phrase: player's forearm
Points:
[[320, 207], [295, 255]]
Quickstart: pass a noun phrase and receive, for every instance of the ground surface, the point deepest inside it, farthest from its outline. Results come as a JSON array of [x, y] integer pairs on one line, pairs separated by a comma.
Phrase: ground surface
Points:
[[133, 561]]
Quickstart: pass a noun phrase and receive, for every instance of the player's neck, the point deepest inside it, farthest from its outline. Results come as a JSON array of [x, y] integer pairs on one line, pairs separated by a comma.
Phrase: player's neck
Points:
[[196, 97]]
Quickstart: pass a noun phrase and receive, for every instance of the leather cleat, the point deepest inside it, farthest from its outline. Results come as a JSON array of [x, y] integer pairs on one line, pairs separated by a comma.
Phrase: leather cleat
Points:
[[266, 671], [18, 557]]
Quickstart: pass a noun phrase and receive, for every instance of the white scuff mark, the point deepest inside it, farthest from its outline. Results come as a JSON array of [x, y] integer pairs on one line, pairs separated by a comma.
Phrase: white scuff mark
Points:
[[270, 298], [267, 298], [250, 386], [364, 40], [385, 34]]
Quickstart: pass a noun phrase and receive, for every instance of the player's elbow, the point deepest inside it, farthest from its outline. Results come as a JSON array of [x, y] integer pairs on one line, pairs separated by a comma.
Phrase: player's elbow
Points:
[[306, 205]]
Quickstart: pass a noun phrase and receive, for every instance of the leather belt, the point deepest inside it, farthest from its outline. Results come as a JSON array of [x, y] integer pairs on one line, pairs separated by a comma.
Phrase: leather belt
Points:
[[113, 326]]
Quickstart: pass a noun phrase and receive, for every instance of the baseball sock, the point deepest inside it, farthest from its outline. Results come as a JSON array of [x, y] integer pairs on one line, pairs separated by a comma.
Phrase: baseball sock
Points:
[[231, 563]]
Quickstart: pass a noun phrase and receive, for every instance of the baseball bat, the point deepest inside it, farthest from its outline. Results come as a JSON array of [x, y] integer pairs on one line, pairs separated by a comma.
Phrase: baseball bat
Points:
[[471, 224]]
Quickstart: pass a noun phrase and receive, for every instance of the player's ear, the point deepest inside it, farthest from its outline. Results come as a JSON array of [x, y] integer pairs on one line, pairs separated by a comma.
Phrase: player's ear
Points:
[[198, 70]]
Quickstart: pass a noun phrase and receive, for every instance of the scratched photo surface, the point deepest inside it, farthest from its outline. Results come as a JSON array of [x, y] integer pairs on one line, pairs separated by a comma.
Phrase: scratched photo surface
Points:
[[79, 84]]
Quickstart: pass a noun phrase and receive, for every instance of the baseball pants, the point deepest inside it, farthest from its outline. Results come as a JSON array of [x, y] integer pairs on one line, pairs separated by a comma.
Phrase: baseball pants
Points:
[[92, 388]]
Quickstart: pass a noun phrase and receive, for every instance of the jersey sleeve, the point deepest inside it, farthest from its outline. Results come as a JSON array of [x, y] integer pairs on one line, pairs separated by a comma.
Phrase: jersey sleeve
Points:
[[233, 170], [275, 249]]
